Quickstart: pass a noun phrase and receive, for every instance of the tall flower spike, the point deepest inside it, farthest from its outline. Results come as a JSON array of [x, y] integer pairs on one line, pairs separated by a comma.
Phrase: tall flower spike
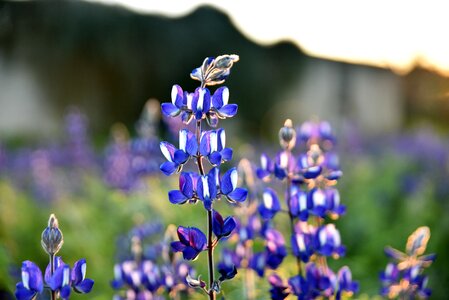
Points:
[[52, 238]]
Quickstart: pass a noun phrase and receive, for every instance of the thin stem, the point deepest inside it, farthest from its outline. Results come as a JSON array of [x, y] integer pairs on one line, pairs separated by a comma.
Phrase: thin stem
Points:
[[210, 242], [292, 218], [210, 254], [52, 270]]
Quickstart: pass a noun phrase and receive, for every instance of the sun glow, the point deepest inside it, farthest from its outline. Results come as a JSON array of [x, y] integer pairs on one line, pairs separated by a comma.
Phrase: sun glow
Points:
[[389, 34]]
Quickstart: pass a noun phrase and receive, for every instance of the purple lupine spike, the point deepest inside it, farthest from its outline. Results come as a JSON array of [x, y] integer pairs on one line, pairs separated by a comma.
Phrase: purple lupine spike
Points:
[[222, 227], [191, 242], [229, 187], [79, 282], [32, 282], [270, 204]]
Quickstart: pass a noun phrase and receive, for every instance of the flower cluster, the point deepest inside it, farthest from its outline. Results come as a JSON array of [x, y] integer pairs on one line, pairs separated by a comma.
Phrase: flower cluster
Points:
[[152, 270], [204, 186], [128, 161], [404, 277], [59, 277], [311, 201]]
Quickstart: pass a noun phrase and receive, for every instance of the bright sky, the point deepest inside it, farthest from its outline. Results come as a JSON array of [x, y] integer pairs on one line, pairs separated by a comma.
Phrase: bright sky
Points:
[[387, 33]]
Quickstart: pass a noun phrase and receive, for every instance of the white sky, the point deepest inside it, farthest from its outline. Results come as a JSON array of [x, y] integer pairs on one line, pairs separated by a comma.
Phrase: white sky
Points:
[[387, 33]]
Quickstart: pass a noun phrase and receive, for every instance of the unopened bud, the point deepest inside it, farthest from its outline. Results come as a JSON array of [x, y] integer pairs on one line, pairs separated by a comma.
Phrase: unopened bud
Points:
[[287, 135], [226, 61], [52, 238]]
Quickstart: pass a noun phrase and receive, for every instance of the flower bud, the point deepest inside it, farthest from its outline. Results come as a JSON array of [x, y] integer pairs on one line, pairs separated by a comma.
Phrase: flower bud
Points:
[[287, 135], [52, 238]]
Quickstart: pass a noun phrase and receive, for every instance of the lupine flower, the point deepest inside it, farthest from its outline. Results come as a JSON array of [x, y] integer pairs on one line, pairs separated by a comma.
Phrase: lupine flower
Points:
[[178, 102], [317, 200], [220, 104], [226, 272], [266, 167], [258, 263], [60, 281], [222, 227], [345, 283], [275, 248], [299, 204], [228, 187], [79, 282], [207, 188], [316, 283], [302, 241], [212, 146], [188, 146], [270, 204], [192, 242], [31, 284], [279, 290], [187, 187], [328, 241]]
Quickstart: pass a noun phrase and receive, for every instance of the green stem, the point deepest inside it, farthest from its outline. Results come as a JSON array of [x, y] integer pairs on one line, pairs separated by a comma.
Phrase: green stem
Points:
[[52, 270]]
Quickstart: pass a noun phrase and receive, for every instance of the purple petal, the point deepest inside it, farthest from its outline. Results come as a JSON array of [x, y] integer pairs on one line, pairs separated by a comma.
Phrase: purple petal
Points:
[[186, 117], [205, 143], [226, 154], [169, 110], [220, 97], [177, 96], [180, 157], [34, 274], [58, 262], [184, 235], [228, 111], [197, 239], [191, 145], [215, 158], [239, 194], [229, 226], [186, 184], [229, 181], [168, 150], [77, 271], [23, 293], [177, 246], [168, 168], [189, 253], [176, 197], [64, 293], [84, 287]]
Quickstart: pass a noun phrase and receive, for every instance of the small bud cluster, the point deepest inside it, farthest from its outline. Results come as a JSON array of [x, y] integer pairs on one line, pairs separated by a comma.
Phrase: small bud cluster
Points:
[[152, 271], [59, 277], [404, 277]]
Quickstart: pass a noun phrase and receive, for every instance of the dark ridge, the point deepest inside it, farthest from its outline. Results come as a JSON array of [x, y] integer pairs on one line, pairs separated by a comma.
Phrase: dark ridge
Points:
[[111, 60]]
